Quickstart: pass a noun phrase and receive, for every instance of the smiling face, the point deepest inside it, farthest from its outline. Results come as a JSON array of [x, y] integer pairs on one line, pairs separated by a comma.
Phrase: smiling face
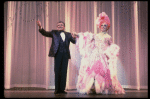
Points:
[[104, 27], [60, 26]]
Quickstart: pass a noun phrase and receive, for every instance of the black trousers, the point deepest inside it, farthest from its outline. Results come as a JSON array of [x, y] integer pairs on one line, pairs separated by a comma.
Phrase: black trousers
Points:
[[60, 68]]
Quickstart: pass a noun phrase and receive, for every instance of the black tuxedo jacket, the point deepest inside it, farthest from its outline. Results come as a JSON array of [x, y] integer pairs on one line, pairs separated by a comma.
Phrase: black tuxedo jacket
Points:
[[55, 35]]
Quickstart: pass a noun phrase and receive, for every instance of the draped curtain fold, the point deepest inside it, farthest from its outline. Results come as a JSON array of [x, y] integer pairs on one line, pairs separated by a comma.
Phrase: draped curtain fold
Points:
[[26, 61]]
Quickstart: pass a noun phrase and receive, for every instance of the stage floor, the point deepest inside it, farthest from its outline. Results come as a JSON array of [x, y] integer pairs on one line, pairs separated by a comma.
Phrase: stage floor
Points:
[[70, 94]]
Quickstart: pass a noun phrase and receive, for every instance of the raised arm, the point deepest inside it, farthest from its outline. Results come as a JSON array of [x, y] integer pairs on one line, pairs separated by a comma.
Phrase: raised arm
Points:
[[42, 31]]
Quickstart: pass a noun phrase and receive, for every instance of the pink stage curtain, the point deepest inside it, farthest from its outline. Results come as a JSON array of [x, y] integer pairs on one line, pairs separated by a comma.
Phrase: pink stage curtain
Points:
[[26, 61]]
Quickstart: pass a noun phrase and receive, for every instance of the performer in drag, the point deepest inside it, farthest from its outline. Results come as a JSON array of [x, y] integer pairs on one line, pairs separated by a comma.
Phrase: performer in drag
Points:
[[97, 73]]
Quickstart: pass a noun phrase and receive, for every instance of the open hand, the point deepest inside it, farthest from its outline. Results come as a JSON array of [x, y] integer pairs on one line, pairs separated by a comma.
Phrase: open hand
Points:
[[39, 23]]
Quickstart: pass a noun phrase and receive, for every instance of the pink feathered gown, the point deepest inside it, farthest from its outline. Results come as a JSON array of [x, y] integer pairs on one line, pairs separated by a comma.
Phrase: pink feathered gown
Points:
[[98, 64]]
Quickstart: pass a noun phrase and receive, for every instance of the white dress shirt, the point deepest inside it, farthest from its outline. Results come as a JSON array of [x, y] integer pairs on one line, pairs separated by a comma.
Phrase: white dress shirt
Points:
[[62, 34]]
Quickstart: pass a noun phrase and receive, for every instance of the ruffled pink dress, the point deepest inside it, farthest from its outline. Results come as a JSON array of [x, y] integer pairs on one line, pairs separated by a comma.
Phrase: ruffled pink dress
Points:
[[98, 64]]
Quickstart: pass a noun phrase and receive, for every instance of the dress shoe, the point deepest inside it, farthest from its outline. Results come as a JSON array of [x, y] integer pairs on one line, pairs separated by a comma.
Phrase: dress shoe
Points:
[[63, 92], [56, 92]]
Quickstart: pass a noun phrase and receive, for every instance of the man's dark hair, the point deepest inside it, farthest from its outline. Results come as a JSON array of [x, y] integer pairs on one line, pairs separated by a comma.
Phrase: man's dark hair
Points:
[[61, 22]]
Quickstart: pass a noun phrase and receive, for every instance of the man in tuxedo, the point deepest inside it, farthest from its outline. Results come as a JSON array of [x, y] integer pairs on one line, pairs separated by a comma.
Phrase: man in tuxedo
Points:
[[60, 51]]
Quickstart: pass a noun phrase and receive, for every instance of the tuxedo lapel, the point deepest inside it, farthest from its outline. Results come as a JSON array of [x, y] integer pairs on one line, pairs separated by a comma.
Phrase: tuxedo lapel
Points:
[[57, 33], [56, 38], [66, 38]]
